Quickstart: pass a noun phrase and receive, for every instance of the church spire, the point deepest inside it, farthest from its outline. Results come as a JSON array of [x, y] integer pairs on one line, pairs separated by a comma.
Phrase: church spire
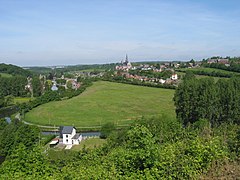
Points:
[[126, 60]]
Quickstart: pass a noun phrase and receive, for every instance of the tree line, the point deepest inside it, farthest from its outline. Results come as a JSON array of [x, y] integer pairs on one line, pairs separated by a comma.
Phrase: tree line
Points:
[[151, 74], [214, 73], [217, 102], [58, 95], [235, 67], [121, 79], [14, 70]]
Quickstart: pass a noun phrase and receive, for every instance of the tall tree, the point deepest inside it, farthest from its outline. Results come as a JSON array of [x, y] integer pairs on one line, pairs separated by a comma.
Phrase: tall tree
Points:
[[37, 87]]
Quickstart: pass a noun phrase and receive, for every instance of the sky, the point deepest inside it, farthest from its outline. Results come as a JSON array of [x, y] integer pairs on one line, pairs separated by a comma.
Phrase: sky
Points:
[[69, 32]]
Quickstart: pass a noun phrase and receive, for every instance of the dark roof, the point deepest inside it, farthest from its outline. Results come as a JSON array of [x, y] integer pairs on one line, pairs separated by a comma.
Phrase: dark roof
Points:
[[76, 136], [67, 129]]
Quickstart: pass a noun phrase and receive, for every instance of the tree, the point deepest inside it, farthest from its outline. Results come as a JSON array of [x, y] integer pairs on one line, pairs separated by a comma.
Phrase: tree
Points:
[[107, 129], [16, 133], [22, 164], [36, 85], [8, 100], [192, 61]]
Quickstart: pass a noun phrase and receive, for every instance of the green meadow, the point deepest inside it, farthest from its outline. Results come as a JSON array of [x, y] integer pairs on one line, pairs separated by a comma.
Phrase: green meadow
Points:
[[5, 75], [22, 99], [105, 102], [89, 143]]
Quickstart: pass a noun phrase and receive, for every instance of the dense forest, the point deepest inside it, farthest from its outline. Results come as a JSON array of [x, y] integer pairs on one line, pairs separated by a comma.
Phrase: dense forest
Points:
[[14, 70], [13, 85], [205, 99]]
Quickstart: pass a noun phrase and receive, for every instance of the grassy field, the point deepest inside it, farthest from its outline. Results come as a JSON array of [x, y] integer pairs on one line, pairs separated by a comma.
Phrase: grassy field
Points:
[[21, 99], [215, 78], [105, 102], [89, 144], [5, 75]]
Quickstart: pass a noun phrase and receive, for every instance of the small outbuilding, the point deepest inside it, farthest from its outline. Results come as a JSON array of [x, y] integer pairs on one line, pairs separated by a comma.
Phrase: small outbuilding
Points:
[[54, 142]]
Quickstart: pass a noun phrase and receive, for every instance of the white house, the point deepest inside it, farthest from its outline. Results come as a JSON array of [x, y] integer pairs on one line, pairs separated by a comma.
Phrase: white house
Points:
[[162, 81], [174, 77], [69, 135]]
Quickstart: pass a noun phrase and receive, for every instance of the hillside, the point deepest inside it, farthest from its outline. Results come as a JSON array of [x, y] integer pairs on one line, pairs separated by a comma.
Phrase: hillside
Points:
[[105, 102], [9, 69]]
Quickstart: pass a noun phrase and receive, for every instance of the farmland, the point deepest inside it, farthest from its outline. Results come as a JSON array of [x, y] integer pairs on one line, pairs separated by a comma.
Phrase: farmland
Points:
[[105, 102]]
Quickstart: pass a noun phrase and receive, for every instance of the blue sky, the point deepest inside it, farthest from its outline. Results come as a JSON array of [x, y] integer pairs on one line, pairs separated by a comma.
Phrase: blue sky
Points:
[[60, 32]]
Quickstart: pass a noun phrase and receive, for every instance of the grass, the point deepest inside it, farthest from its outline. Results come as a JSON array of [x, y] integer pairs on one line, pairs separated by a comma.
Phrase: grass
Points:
[[215, 78], [89, 144], [5, 75], [105, 102], [21, 99]]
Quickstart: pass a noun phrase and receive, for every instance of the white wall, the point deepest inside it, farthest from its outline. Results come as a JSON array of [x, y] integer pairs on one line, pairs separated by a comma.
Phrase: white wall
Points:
[[67, 138]]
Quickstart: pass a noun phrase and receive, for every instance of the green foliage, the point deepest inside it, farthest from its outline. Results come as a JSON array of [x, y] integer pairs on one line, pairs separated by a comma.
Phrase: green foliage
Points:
[[164, 127], [16, 133], [14, 86], [204, 99], [14, 70], [185, 153], [36, 86], [46, 138], [234, 65], [107, 129], [3, 124], [24, 164], [210, 72]]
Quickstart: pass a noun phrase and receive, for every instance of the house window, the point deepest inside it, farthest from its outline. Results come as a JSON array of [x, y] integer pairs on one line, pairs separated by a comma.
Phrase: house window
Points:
[[66, 140], [66, 136]]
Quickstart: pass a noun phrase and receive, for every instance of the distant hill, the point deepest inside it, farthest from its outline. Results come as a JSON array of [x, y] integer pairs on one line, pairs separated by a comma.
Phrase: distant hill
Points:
[[68, 68], [13, 70]]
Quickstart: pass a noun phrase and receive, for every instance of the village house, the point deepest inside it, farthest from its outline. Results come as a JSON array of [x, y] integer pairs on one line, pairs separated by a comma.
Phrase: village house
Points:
[[219, 61], [162, 81], [223, 61], [69, 135], [174, 76], [54, 86]]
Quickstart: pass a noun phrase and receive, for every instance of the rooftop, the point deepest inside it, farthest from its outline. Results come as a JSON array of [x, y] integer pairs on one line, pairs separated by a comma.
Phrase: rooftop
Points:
[[76, 136], [67, 129]]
